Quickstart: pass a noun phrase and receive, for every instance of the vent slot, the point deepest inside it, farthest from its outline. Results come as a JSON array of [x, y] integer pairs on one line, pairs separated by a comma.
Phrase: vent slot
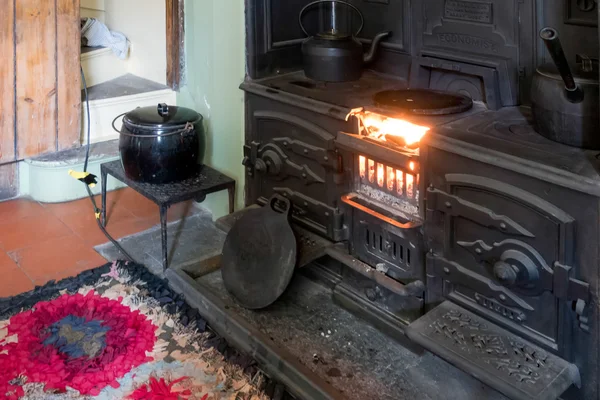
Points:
[[374, 242], [390, 248]]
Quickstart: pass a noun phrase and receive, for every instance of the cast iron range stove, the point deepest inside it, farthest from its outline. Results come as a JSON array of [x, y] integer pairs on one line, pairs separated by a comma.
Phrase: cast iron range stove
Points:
[[480, 240]]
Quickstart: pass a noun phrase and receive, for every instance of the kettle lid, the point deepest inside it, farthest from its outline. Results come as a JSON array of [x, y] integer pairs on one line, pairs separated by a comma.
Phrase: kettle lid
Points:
[[333, 35]]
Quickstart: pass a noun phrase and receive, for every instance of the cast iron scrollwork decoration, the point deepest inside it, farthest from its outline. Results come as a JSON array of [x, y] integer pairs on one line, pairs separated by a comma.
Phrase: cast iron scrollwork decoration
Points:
[[521, 362], [456, 206], [514, 264], [519, 267], [321, 155], [518, 360], [270, 159]]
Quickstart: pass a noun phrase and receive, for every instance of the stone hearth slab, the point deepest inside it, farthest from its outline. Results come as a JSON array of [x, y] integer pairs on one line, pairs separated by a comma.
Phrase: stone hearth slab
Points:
[[190, 240]]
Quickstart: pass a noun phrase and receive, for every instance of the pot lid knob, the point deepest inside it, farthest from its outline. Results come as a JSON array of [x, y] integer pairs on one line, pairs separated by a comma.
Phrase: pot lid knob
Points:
[[163, 110]]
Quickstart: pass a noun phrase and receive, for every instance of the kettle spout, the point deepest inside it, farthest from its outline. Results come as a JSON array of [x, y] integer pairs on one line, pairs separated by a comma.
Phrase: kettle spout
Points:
[[573, 92], [374, 45]]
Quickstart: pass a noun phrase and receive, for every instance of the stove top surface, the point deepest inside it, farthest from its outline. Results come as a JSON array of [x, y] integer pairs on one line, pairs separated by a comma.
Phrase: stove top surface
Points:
[[508, 130], [344, 94], [363, 94]]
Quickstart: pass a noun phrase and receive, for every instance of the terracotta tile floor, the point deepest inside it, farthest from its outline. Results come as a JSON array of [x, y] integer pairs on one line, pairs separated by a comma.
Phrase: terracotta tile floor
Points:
[[40, 242]]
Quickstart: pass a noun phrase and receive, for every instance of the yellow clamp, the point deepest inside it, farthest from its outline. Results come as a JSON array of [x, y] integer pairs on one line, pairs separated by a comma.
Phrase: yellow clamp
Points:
[[85, 177]]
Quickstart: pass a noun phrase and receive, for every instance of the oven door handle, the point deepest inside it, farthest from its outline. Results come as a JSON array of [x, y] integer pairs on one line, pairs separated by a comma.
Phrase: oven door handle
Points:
[[348, 199]]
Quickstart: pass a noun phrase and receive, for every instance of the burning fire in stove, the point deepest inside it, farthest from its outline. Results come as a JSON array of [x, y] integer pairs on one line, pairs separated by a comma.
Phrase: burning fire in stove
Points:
[[396, 131], [394, 180]]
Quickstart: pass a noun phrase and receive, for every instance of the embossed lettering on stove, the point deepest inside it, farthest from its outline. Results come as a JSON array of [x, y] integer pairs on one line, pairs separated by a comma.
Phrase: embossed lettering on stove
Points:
[[467, 40]]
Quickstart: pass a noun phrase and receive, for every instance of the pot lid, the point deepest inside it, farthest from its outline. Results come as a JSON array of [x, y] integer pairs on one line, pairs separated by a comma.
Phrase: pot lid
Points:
[[161, 118], [581, 75], [423, 101]]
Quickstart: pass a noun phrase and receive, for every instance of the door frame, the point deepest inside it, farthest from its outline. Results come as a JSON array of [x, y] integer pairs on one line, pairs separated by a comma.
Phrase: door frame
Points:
[[175, 42]]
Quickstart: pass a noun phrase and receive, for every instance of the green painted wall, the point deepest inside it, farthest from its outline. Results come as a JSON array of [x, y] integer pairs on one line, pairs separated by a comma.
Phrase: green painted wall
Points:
[[215, 67]]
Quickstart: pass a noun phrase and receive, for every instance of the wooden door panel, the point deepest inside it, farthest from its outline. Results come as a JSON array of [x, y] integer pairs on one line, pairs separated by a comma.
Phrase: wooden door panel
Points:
[[68, 75], [7, 83], [36, 77]]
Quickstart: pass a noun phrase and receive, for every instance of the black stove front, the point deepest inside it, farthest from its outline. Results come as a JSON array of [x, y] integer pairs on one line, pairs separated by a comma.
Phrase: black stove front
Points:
[[499, 225]]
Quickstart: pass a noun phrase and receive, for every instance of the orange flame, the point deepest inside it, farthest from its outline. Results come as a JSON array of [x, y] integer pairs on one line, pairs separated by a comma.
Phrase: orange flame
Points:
[[390, 178], [399, 181], [362, 166], [380, 177], [379, 127], [409, 185], [371, 171]]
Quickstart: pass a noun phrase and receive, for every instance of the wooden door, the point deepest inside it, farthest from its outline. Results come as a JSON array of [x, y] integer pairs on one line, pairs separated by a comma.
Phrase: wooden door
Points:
[[40, 79]]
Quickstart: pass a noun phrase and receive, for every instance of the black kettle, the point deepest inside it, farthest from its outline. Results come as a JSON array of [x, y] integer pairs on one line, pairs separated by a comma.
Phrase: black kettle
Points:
[[564, 100], [334, 54]]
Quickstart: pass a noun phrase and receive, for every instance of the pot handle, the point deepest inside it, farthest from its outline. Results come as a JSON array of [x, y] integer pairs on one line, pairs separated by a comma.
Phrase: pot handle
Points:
[[306, 7], [115, 120]]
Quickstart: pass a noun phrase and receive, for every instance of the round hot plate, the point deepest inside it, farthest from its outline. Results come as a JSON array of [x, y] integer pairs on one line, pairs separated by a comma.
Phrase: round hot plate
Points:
[[423, 101]]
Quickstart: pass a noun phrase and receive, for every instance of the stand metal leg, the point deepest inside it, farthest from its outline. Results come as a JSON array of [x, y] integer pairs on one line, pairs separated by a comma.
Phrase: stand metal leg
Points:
[[103, 177], [163, 233], [231, 192]]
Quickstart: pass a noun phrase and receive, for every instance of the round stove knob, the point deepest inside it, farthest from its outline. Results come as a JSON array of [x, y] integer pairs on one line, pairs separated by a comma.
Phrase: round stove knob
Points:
[[272, 162], [260, 165], [505, 273]]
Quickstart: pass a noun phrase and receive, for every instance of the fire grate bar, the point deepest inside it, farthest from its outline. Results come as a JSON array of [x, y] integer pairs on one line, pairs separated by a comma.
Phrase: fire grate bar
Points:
[[498, 358]]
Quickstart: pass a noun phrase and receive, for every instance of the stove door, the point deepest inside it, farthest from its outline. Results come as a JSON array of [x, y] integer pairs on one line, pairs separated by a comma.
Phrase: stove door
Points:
[[505, 254], [295, 158]]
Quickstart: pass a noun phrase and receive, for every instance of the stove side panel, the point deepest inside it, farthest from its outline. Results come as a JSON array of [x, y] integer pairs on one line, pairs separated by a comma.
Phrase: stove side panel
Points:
[[484, 209]]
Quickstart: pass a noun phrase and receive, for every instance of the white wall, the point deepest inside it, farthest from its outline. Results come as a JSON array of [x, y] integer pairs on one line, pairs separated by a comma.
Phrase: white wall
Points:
[[93, 9], [215, 67], [144, 23]]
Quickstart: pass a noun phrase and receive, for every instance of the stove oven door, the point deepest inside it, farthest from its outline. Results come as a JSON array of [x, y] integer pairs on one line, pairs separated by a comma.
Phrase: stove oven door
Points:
[[506, 254], [501, 257], [295, 158]]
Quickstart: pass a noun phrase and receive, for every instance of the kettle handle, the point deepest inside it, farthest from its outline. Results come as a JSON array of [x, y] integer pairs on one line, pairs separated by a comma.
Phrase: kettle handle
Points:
[[362, 19]]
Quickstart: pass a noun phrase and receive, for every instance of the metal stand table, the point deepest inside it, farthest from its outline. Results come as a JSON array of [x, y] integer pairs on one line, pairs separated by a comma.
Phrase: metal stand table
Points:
[[206, 181]]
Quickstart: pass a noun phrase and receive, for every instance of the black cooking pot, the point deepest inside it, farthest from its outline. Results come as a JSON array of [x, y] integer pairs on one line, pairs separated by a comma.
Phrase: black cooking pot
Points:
[[161, 145]]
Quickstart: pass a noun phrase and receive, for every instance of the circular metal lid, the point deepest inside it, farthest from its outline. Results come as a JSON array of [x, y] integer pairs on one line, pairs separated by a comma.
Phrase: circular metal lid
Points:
[[161, 118], [423, 101], [259, 255]]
